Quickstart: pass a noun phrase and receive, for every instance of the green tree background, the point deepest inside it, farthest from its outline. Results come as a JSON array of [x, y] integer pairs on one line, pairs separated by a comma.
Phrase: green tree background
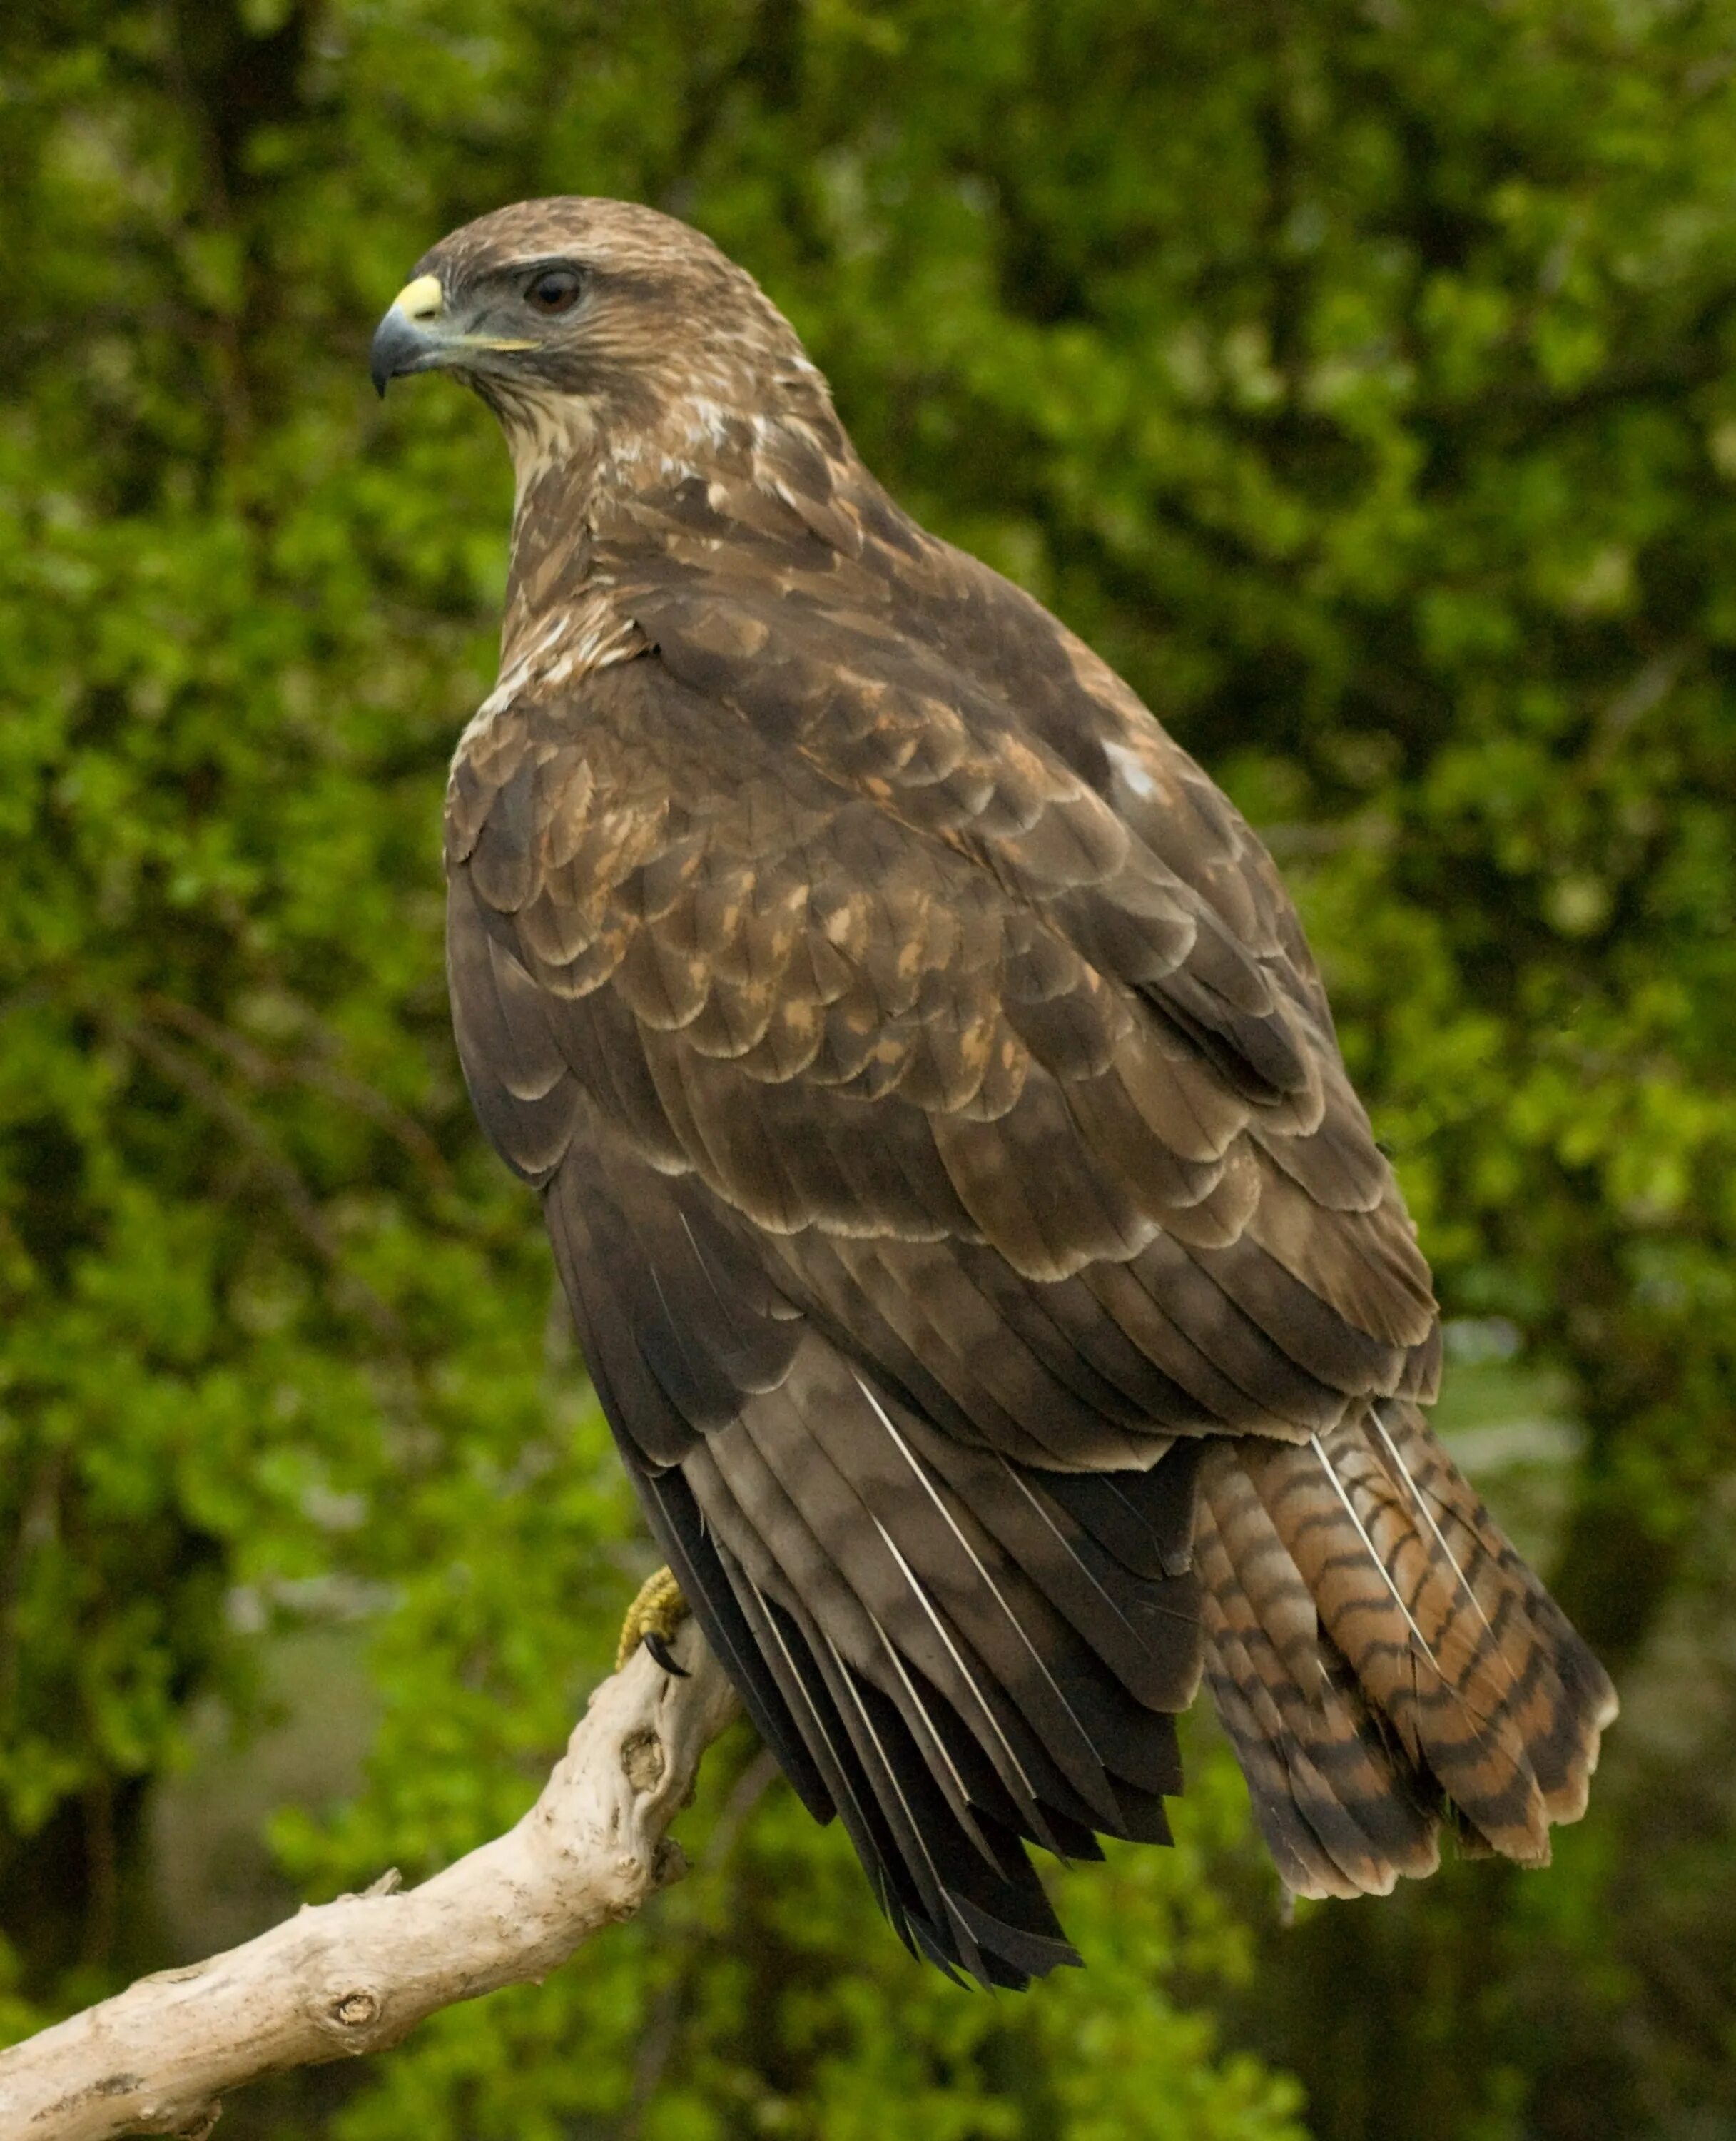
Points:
[[1360, 376]]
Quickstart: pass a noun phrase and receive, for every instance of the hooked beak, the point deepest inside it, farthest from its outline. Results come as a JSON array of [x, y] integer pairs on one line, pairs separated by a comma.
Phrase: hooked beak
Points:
[[420, 334], [408, 339]]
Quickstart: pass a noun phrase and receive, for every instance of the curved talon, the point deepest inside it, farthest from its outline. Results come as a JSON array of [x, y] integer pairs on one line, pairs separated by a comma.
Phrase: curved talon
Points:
[[653, 1620], [664, 1655]]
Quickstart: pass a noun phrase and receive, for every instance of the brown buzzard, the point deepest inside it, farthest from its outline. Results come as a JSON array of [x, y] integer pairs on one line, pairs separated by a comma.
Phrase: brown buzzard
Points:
[[987, 1270]]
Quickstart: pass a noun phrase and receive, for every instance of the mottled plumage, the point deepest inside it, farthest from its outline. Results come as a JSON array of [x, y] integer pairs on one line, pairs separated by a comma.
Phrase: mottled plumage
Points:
[[984, 1265]]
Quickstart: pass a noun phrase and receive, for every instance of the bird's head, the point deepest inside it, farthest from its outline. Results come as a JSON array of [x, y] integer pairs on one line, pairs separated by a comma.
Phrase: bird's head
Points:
[[596, 327]]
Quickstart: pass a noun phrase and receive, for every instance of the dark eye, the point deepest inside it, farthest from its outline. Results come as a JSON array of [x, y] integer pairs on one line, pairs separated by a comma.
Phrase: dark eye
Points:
[[553, 289]]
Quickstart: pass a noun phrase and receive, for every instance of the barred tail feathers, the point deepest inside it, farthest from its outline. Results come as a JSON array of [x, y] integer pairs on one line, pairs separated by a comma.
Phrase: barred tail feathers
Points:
[[1383, 1659]]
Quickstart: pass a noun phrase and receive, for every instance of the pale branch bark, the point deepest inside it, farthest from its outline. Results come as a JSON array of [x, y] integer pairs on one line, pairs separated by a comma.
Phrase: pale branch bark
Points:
[[358, 1974]]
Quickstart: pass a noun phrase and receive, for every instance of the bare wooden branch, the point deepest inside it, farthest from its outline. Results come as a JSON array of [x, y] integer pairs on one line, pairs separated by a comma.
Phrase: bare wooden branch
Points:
[[358, 1974]]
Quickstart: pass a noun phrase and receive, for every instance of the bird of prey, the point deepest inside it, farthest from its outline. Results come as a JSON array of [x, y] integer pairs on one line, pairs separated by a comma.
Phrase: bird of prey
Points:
[[989, 1275]]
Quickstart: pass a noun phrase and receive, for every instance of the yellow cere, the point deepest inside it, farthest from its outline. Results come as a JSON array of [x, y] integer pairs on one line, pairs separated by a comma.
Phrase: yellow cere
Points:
[[421, 300]]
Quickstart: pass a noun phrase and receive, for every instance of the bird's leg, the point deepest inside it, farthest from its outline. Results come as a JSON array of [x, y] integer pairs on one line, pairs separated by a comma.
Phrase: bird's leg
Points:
[[653, 1620]]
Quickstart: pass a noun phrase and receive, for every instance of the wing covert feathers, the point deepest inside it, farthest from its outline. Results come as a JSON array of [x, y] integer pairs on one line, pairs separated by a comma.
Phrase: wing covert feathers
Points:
[[988, 1273]]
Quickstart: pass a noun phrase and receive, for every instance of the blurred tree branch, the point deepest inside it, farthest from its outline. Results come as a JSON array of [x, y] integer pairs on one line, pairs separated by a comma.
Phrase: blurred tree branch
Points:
[[357, 1974]]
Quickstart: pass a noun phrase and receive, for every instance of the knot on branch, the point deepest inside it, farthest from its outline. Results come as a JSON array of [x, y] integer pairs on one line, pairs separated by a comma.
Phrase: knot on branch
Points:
[[352, 2015], [642, 1758]]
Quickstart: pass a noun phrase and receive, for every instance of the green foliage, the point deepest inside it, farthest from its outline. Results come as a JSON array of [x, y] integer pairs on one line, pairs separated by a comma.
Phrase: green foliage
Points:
[[1358, 379]]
